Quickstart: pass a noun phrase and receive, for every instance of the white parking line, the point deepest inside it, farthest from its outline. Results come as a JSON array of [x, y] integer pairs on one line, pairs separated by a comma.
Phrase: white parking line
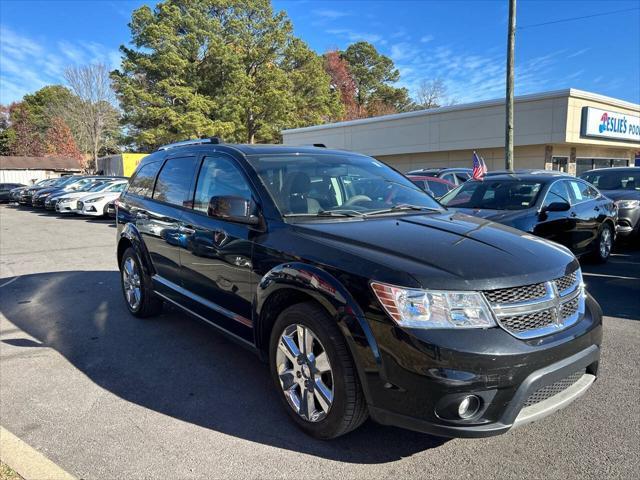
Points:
[[10, 281], [609, 276]]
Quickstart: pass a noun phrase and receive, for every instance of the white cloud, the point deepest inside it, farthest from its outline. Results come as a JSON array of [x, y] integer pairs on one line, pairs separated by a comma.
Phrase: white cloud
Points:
[[354, 36], [578, 53], [29, 64], [426, 38], [330, 14]]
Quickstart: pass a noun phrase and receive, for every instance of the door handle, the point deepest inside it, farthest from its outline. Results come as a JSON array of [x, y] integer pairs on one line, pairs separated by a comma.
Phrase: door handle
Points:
[[186, 229]]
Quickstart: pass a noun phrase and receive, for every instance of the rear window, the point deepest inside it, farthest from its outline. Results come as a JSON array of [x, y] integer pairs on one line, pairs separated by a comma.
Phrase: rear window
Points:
[[174, 182], [142, 183]]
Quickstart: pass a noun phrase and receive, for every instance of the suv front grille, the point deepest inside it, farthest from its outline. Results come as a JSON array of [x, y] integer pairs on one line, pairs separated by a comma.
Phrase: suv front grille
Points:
[[566, 282], [538, 309], [529, 321], [516, 295], [549, 391]]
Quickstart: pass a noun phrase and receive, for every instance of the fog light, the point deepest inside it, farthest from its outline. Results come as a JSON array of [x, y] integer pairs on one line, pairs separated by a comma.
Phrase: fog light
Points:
[[468, 407]]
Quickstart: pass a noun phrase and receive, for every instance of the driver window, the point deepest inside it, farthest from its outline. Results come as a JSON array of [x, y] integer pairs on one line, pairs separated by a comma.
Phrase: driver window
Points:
[[557, 193], [219, 176]]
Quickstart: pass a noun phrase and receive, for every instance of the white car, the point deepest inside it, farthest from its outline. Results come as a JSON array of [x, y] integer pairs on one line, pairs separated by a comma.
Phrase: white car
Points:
[[68, 203], [96, 203]]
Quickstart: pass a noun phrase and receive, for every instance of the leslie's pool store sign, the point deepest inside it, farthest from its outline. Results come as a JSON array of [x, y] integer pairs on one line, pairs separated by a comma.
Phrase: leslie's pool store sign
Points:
[[607, 124]]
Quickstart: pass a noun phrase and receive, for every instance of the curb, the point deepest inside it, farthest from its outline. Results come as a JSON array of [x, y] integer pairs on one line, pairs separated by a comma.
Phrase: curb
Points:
[[27, 461]]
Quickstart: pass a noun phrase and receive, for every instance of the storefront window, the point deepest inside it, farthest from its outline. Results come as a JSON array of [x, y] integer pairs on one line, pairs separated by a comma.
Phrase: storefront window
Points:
[[585, 164], [560, 164]]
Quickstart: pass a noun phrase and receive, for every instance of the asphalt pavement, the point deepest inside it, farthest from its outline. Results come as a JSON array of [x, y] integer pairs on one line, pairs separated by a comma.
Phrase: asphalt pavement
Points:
[[106, 395]]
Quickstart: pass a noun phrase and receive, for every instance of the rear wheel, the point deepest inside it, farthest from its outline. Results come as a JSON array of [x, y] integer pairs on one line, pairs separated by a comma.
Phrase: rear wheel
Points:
[[604, 244], [314, 373], [136, 287]]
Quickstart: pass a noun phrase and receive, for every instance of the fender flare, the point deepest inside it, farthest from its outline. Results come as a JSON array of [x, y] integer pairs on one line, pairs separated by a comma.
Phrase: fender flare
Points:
[[335, 299], [130, 232]]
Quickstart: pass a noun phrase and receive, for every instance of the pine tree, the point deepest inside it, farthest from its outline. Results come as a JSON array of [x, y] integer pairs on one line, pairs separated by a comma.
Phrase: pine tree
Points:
[[26, 140]]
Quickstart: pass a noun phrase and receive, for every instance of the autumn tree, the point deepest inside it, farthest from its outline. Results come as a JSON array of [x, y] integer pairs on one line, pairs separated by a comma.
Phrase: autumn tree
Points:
[[59, 141], [26, 141], [6, 132], [341, 81], [229, 68]]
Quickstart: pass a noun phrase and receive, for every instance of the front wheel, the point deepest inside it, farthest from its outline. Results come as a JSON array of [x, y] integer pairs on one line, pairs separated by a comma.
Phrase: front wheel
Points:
[[314, 373], [136, 287], [604, 244]]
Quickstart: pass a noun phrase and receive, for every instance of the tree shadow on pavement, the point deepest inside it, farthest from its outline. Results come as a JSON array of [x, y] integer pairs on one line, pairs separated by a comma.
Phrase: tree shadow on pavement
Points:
[[177, 366]]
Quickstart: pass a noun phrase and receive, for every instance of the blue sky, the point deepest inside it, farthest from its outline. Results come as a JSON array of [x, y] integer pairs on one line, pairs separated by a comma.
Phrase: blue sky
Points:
[[462, 42]]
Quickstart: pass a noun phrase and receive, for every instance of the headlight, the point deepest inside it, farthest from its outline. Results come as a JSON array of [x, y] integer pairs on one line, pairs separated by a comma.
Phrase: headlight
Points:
[[65, 200], [628, 203], [434, 308], [94, 200]]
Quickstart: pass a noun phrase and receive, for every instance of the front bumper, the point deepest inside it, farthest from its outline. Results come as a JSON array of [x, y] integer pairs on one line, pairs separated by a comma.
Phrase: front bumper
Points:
[[66, 207], [425, 374], [628, 224]]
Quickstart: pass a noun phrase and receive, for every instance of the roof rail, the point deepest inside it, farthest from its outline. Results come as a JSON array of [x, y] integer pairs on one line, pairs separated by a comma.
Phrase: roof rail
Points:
[[320, 145], [195, 141]]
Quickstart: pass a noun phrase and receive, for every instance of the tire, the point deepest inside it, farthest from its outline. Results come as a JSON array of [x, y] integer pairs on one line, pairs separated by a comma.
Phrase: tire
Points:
[[603, 244], [136, 285], [347, 409]]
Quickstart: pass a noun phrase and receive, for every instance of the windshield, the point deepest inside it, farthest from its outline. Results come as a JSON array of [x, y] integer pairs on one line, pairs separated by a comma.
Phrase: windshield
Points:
[[312, 184], [64, 181], [494, 195], [96, 187], [614, 180]]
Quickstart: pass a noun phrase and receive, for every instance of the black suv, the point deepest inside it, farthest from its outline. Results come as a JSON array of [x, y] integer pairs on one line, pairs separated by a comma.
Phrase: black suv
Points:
[[365, 296]]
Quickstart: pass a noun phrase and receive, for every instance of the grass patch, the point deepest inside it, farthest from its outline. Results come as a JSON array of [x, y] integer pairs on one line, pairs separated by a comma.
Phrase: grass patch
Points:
[[7, 473]]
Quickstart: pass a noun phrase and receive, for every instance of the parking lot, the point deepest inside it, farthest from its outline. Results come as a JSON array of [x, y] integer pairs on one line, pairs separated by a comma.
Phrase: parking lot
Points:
[[105, 395]]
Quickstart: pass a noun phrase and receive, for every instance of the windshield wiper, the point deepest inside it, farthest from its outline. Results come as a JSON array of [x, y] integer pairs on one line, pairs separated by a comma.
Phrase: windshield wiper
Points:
[[327, 213], [401, 207]]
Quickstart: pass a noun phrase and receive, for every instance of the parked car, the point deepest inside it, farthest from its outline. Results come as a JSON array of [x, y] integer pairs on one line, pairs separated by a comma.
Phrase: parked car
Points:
[[52, 199], [39, 195], [5, 190], [95, 204], [436, 187], [457, 176], [70, 199], [622, 185], [26, 194], [564, 209], [363, 301], [78, 183]]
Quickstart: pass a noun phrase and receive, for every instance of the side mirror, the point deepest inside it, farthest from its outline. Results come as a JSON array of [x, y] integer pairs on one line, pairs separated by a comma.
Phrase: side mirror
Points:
[[232, 209], [557, 207]]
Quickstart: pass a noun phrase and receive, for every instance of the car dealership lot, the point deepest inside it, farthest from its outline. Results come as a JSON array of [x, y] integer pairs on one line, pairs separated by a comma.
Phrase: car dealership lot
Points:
[[106, 395]]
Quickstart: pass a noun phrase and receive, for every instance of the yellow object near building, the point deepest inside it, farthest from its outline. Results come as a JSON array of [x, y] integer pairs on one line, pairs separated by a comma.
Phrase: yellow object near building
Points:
[[123, 164]]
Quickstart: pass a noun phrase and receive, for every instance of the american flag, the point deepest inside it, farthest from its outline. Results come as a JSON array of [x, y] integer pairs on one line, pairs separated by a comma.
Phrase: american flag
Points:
[[479, 167]]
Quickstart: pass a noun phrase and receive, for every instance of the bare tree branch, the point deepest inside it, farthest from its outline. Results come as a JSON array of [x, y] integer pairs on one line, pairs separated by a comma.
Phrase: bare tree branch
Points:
[[94, 109]]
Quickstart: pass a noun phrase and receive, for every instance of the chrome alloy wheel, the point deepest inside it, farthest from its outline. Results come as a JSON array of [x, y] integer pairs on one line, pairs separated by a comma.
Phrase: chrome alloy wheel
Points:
[[305, 372], [131, 283], [605, 242]]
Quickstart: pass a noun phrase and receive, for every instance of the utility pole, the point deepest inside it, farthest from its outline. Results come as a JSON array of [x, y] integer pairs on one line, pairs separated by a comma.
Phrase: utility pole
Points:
[[511, 40]]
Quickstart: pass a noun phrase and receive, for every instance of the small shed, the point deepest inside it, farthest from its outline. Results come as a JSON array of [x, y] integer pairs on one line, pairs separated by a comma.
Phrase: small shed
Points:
[[123, 164], [27, 170]]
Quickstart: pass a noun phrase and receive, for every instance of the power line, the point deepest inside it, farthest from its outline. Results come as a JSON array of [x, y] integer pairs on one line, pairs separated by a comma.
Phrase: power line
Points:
[[578, 18]]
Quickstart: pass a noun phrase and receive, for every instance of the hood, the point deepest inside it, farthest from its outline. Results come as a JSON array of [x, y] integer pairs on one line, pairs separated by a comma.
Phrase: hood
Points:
[[444, 250], [63, 194], [621, 194]]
